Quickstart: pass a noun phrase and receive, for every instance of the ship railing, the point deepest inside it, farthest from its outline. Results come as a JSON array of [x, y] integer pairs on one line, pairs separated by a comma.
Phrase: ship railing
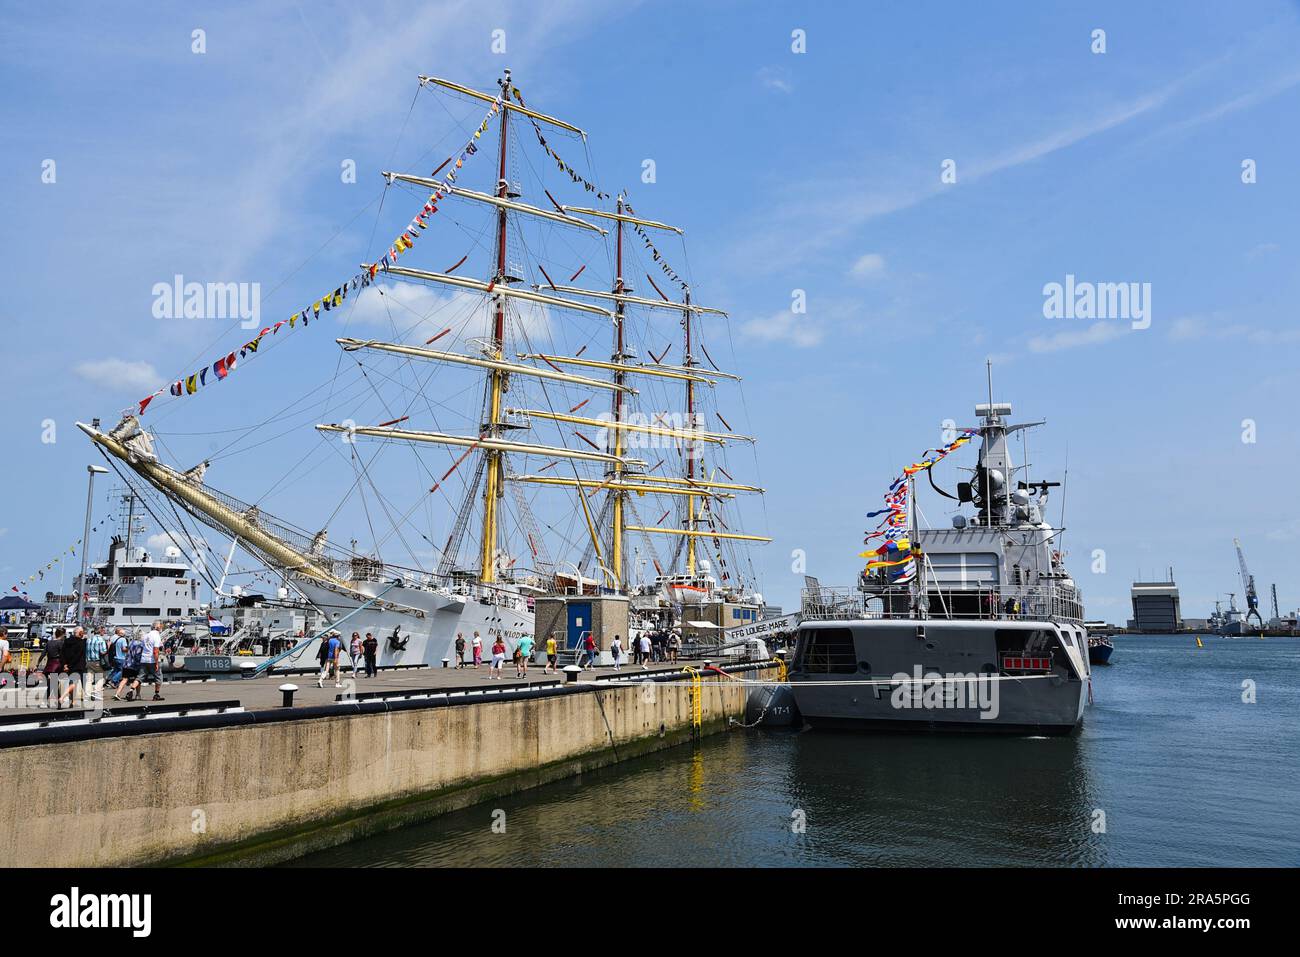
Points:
[[1009, 603], [833, 602]]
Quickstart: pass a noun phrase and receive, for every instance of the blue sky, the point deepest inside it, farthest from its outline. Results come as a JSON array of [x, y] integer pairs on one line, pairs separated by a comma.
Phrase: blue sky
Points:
[[815, 171]]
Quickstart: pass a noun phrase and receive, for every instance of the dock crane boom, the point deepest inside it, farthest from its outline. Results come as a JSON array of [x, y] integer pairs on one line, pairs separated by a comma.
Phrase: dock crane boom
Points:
[[1248, 582]]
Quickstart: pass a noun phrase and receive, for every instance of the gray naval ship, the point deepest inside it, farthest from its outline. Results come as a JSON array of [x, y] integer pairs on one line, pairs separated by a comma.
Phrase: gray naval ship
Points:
[[985, 634]]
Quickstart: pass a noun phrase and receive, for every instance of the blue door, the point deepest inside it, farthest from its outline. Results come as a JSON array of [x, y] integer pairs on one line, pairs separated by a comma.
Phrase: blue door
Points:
[[579, 623]]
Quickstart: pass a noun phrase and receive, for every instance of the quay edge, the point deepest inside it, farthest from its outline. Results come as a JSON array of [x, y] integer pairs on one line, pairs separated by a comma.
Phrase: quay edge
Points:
[[263, 793]]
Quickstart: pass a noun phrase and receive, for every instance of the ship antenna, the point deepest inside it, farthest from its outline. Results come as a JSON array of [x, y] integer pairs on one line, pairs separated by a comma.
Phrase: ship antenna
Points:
[[1065, 489]]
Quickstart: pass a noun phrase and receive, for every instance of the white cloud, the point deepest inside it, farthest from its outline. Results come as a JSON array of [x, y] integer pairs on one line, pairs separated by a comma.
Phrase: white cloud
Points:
[[1285, 532], [775, 78], [119, 374], [418, 312], [868, 266], [784, 326], [157, 544], [1095, 334], [805, 222]]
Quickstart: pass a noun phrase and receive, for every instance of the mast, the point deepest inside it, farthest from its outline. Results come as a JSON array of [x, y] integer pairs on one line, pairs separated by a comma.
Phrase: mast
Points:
[[688, 360], [493, 487], [618, 359]]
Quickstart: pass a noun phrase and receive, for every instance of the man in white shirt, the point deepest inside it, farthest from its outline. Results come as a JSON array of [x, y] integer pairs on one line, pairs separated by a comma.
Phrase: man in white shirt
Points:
[[5, 657], [151, 660], [645, 652]]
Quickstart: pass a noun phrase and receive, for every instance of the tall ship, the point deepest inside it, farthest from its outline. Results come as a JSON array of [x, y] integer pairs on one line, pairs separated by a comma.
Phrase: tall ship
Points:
[[974, 627], [528, 452]]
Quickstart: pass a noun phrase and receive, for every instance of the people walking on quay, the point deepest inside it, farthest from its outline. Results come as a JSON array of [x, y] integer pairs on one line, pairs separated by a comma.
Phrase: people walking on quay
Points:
[[498, 657], [131, 667], [674, 646], [370, 647], [589, 646], [97, 659], [615, 651], [460, 650], [477, 644], [645, 651], [74, 665], [322, 656], [116, 656], [333, 648], [525, 651], [51, 655], [151, 661], [354, 654], [552, 655]]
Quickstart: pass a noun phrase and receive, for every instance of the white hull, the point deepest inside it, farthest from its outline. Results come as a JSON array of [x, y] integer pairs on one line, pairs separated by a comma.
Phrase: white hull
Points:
[[427, 621]]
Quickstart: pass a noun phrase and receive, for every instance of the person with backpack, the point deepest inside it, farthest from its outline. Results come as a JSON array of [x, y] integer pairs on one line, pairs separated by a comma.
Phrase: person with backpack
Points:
[[151, 661], [333, 649], [523, 651], [131, 667], [322, 654], [116, 656]]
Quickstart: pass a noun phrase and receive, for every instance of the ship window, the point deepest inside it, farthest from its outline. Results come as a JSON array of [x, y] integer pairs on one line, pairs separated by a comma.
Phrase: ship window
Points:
[[173, 612], [141, 611], [828, 651]]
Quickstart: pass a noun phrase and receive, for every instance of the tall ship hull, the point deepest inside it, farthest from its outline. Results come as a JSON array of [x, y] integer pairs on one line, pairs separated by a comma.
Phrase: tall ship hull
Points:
[[975, 628], [417, 626]]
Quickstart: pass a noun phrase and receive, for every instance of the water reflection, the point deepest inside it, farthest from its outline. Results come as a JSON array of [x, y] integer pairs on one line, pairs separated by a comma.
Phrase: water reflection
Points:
[[1186, 772]]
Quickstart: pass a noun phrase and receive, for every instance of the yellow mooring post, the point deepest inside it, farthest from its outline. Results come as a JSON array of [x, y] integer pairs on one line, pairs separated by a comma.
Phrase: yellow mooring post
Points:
[[1198, 642]]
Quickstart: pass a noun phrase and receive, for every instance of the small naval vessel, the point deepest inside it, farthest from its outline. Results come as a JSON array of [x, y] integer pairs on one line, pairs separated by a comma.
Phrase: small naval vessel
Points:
[[976, 627]]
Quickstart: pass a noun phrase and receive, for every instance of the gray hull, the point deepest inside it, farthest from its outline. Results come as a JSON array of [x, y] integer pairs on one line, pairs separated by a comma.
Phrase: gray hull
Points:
[[908, 675]]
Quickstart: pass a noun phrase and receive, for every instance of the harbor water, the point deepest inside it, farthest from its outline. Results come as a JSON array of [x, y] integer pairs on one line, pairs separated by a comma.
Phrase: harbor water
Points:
[[1171, 768]]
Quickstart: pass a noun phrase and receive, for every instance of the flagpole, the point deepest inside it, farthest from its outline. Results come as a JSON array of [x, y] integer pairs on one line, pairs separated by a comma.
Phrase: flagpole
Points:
[[92, 471]]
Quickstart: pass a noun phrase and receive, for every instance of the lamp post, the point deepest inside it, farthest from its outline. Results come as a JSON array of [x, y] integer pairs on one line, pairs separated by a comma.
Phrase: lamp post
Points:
[[85, 539]]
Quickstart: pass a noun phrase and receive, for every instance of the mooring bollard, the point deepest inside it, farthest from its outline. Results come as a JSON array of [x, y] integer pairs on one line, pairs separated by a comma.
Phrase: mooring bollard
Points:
[[287, 691], [571, 673], [446, 662]]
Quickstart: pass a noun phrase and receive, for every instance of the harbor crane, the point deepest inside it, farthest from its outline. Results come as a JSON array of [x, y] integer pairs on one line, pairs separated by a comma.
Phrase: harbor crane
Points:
[[1248, 582]]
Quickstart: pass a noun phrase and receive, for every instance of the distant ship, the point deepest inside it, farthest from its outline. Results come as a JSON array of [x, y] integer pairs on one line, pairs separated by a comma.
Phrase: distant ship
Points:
[[134, 586], [977, 627], [1100, 649]]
